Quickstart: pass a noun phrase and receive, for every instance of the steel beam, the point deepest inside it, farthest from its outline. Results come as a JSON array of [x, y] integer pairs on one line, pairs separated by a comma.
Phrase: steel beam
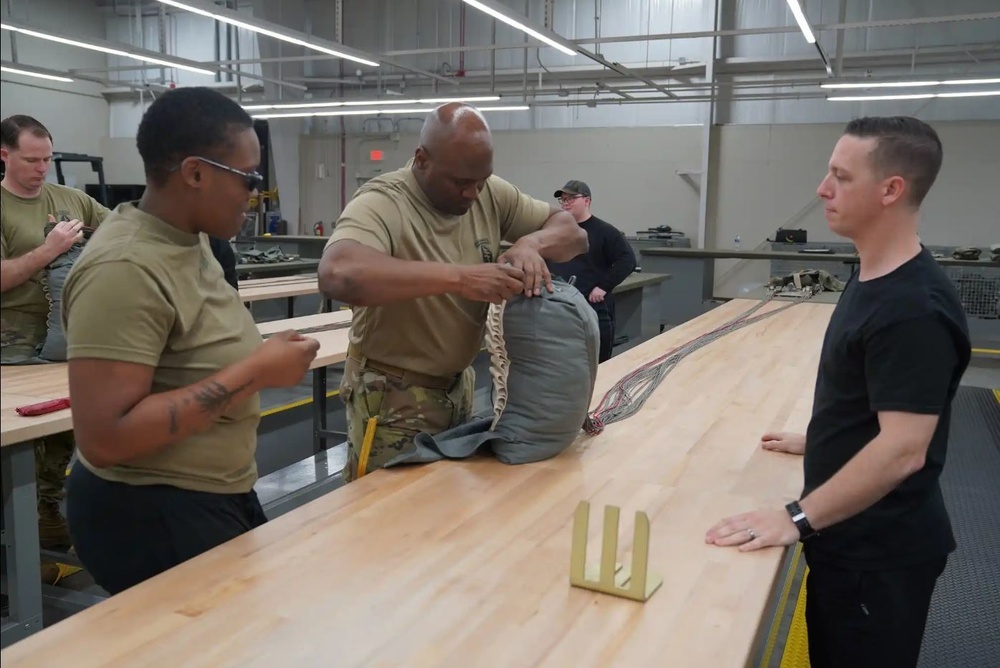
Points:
[[711, 53], [839, 56], [736, 32], [696, 34]]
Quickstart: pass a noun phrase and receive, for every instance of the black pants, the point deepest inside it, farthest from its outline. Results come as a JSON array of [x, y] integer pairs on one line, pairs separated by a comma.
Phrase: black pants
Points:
[[124, 534], [857, 619], [606, 322]]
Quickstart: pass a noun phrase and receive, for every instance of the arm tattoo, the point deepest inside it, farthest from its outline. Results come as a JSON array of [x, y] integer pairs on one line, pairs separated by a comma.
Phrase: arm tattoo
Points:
[[214, 397], [174, 422]]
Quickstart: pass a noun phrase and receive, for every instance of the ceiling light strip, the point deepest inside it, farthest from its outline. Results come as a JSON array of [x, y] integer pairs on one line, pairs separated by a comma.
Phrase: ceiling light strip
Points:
[[20, 70], [800, 18], [914, 96], [369, 112], [260, 27], [501, 13], [105, 47], [906, 84], [359, 103]]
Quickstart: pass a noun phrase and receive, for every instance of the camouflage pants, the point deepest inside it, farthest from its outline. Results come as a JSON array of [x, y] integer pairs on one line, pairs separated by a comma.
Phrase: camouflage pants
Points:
[[20, 335], [52, 455], [403, 410]]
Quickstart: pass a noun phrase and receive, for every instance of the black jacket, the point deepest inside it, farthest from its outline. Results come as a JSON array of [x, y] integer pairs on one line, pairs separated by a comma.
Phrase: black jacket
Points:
[[607, 262], [223, 252]]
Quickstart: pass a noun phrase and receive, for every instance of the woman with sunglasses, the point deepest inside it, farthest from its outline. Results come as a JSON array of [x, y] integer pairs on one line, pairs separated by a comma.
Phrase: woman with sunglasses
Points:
[[165, 362]]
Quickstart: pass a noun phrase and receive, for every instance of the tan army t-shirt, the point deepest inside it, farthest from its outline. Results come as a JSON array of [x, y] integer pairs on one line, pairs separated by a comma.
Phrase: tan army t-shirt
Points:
[[22, 230], [441, 335], [145, 292]]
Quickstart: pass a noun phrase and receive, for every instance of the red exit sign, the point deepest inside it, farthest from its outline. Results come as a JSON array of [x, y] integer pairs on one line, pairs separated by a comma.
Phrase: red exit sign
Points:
[[376, 155]]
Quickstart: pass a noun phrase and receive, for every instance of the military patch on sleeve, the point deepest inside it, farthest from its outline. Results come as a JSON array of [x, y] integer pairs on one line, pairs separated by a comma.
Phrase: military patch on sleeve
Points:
[[484, 249]]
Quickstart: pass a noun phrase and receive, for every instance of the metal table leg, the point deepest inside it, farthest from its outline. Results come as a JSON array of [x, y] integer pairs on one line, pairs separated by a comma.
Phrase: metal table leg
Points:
[[20, 541], [320, 432], [319, 409]]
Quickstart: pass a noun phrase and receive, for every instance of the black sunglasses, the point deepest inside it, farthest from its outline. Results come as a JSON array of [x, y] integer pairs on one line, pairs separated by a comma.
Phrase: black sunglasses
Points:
[[253, 179]]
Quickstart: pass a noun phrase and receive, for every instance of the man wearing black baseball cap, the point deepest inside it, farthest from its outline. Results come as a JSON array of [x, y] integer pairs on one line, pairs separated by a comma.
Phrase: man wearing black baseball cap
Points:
[[574, 188], [607, 262]]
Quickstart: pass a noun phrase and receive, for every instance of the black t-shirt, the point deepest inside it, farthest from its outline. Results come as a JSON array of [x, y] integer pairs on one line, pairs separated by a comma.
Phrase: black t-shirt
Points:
[[899, 342], [607, 262]]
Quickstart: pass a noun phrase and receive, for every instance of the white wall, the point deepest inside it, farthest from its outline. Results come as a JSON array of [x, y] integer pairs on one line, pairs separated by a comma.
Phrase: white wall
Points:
[[764, 177], [75, 113], [632, 172]]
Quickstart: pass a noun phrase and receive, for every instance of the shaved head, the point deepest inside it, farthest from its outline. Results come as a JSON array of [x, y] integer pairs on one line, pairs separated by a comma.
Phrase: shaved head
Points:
[[455, 157], [455, 123]]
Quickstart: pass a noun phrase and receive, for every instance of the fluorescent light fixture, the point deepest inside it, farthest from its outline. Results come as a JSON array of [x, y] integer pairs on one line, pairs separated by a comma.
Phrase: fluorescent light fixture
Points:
[[33, 72], [972, 93], [110, 48], [965, 82], [915, 96], [907, 84], [371, 112], [800, 18], [501, 13], [264, 28], [860, 98], [361, 103], [881, 84]]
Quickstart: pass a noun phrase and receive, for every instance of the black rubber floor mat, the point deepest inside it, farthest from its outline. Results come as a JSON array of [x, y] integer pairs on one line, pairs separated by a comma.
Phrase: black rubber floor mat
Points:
[[963, 630]]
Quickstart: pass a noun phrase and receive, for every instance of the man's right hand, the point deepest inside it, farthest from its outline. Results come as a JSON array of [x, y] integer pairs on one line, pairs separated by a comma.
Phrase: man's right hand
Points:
[[490, 282], [784, 441], [63, 236], [284, 359]]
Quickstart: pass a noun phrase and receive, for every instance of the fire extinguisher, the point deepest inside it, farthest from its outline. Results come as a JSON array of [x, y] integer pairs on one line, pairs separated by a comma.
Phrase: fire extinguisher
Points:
[[318, 229]]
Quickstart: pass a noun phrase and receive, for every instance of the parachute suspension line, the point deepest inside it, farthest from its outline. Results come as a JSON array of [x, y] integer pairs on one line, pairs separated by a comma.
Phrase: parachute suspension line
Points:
[[628, 395]]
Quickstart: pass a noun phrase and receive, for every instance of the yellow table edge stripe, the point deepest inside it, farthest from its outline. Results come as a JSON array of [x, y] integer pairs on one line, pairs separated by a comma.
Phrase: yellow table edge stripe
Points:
[[772, 637]]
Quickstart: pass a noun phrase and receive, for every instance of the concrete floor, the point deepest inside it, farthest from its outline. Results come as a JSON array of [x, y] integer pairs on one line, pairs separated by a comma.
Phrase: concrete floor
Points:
[[983, 372]]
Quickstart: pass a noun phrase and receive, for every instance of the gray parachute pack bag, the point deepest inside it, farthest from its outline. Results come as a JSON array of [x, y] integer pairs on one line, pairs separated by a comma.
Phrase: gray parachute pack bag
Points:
[[53, 349], [543, 362]]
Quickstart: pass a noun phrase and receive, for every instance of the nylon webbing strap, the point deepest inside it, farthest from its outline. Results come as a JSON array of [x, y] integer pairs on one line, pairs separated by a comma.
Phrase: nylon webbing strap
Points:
[[318, 328]]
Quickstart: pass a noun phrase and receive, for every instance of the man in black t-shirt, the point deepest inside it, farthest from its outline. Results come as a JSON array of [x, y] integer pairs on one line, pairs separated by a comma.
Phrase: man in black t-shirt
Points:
[[875, 531], [607, 262]]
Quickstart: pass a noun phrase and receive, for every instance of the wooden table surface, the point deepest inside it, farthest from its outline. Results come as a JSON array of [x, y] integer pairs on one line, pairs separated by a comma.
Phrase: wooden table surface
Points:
[[284, 286], [32, 384], [467, 563], [332, 343], [23, 385]]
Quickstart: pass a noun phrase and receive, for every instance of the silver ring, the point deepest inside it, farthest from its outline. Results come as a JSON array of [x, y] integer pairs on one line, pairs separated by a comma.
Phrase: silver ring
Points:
[[752, 534]]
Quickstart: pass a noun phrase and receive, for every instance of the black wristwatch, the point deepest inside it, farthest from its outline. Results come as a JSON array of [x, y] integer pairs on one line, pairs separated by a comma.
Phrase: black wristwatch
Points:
[[800, 519]]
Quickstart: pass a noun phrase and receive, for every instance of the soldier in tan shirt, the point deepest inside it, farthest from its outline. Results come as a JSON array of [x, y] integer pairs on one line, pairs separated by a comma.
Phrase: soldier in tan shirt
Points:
[[417, 254], [165, 362], [27, 203]]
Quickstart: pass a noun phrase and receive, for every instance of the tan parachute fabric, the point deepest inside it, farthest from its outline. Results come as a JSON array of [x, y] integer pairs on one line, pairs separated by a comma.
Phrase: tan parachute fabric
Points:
[[496, 345]]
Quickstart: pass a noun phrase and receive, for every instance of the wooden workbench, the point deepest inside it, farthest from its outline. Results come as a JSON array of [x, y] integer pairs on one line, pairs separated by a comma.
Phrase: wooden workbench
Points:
[[287, 267], [23, 385], [467, 563], [279, 288]]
